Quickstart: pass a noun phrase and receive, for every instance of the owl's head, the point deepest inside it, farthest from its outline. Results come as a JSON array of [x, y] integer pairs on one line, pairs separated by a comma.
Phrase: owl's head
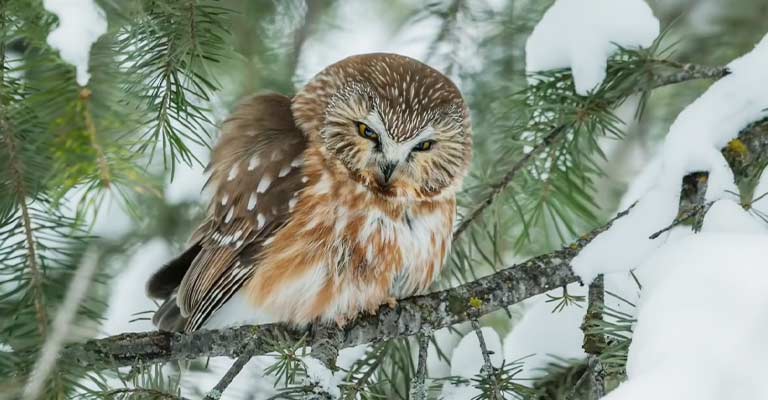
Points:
[[396, 125]]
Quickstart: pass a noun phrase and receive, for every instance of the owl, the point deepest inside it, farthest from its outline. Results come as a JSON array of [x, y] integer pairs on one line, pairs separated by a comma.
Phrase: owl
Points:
[[327, 204]]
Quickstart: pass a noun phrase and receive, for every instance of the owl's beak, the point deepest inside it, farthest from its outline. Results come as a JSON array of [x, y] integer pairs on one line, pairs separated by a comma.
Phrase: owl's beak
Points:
[[386, 170]]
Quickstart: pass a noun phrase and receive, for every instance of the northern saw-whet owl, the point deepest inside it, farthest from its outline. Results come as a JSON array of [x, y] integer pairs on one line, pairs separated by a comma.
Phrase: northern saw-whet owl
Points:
[[327, 204]]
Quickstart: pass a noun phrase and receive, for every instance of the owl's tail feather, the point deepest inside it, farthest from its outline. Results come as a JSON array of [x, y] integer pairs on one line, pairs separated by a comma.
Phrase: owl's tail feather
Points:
[[163, 285], [168, 317], [166, 280]]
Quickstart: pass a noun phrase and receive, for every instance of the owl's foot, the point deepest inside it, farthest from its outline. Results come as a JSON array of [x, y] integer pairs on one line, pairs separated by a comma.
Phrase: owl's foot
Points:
[[391, 302], [341, 321]]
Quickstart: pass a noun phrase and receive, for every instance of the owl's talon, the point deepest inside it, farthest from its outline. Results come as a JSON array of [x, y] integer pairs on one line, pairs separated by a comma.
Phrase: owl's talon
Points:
[[391, 302]]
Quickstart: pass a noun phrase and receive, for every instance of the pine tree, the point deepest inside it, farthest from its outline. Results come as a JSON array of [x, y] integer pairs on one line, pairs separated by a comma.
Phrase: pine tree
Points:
[[542, 187]]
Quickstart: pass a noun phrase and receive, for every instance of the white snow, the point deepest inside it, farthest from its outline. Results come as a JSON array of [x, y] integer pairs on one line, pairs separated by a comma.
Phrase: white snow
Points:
[[709, 123], [693, 144], [582, 34], [323, 377], [701, 322], [81, 22], [626, 244], [729, 216], [701, 316]]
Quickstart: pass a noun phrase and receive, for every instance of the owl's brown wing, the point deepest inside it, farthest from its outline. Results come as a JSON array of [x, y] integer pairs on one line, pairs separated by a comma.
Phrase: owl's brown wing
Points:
[[256, 174]]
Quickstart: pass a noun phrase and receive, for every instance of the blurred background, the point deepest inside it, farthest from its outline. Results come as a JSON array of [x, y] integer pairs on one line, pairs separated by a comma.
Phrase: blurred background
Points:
[[119, 165]]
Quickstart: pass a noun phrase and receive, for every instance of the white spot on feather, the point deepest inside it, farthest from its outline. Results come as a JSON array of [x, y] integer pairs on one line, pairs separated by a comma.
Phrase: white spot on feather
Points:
[[224, 199], [253, 162], [233, 172], [260, 220], [284, 171], [229, 216], [252, 201], [266, 180]]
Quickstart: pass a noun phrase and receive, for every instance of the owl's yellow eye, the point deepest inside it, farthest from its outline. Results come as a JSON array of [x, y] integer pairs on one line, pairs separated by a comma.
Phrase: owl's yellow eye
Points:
[[366, 132], [424, 146]]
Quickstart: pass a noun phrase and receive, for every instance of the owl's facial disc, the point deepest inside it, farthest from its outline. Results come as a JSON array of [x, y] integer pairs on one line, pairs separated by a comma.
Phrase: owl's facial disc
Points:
[[390, 160]]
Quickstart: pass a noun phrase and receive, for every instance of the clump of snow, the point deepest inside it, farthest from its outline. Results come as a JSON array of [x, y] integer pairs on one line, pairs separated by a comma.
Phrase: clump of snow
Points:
[[689, 343], [699, 133], [694, 143], [626, 244], [729, 216], [467, 361], [323, 377], [81, 22], [582, 34]]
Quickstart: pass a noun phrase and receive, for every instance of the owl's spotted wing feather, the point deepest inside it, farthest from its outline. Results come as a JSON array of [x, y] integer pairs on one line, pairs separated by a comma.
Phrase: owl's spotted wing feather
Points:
[[256, 174]]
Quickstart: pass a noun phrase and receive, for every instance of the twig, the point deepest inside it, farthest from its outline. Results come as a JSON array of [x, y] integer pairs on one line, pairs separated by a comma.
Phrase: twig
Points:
[[218, 391], [61, 325], [488, 370], [594, 342], [697, 212], [154, 394], [418, 386]]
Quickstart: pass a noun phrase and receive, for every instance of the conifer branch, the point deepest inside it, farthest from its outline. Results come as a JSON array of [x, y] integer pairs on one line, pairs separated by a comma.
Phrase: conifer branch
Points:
[[16, 175], [682, 73], [90, 127]]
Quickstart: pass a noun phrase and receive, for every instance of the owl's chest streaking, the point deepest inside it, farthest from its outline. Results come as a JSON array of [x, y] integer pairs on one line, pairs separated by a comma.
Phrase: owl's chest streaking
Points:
[[346, 250]]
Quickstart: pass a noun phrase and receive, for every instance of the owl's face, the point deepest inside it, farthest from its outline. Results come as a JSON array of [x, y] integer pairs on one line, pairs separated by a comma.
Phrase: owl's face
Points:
[[397, 126]]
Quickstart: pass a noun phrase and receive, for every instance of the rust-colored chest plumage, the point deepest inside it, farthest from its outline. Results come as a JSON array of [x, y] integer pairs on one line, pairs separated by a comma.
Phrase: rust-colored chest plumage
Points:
[[346, 250]]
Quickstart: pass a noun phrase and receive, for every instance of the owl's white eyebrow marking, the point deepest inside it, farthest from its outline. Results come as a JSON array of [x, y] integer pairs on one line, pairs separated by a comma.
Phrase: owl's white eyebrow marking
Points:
[[376, 122], [266, 180], [253, 162], [252, 201], [233, 172]]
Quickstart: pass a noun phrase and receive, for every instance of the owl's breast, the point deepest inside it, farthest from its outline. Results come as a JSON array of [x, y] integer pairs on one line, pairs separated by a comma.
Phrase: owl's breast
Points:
[[343, 254]]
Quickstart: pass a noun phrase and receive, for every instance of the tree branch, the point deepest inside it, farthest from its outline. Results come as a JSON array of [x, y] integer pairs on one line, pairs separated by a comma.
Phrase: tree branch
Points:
[[438, 310]]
